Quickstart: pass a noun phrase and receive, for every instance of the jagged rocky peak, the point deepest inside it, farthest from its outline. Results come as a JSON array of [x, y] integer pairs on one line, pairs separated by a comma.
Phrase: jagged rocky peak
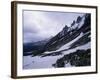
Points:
[[73, 23], [87, 15], [79, 18], [88, 19], [87, 23], [64, 30]]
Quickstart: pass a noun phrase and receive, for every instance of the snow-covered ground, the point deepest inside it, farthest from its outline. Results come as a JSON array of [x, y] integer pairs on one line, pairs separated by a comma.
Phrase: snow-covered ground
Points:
[[37, 62], [40, 62]]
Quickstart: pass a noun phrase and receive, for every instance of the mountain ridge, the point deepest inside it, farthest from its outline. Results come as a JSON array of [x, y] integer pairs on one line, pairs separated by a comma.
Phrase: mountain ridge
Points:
[[69, 33]]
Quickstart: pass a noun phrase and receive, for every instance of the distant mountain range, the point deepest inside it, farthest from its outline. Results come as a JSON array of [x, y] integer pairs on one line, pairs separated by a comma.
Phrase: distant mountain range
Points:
[[29, 48]]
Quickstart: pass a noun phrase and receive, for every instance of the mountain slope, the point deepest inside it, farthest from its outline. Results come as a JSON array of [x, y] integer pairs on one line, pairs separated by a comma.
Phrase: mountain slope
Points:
[[70, 33]]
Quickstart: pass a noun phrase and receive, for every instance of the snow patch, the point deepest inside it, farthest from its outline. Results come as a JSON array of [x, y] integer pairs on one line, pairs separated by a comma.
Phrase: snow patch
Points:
[[66, 46], [83, 47]]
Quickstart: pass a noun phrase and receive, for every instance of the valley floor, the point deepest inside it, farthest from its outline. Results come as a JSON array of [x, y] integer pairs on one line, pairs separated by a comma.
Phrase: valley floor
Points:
[[47, 61], [40, 62]]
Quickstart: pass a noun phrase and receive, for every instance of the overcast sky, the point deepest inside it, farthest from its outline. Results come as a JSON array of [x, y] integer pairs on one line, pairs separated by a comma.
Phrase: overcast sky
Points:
[[40, 25]]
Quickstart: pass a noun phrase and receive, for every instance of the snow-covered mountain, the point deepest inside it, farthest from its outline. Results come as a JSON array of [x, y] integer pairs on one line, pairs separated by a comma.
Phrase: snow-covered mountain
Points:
[[70, 47], [80, 26]]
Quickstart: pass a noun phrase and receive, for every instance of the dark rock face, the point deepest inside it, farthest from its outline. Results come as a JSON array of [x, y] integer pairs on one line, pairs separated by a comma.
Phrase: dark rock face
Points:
[[59, 63], [73, 23], [81, 58], [65, 30], [87, 25], [78, 58], [78, 19]]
